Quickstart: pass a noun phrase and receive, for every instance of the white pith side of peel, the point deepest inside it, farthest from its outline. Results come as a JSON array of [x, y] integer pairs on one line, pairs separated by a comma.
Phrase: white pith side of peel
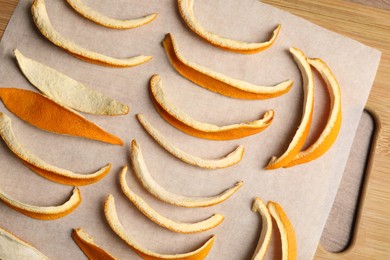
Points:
[[160, 193], [44, 25], [176, 226], [67, 91], [102, 19], [230, 159]]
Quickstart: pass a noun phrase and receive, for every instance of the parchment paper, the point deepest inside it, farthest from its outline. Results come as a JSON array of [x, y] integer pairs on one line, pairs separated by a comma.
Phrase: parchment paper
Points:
[[306, 192]]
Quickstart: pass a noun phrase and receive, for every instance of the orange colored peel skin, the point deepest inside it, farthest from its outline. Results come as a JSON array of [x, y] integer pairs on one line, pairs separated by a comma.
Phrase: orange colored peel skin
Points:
[[65, 179], [211, 83], [332, 128], [45, 114], [303, 130], [91, 250], [289, 244], [44, 216], [243, 130]]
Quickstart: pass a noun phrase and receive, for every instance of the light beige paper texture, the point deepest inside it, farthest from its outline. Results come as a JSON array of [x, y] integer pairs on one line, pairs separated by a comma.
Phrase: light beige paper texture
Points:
[[306, 192]]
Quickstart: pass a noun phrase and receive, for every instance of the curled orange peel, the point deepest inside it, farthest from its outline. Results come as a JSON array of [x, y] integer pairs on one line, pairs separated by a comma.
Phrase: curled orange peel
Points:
[[232, 158], [179, 227], [101, 19], [287, 233], [218, 82], [44, 213], [87, 245], [42, 21], [44, 169], [142, 173], [187, 124], [187, 13], [116, 226], [266, 229], [12, 247], [45, 114], [301, 134], [329, 135]]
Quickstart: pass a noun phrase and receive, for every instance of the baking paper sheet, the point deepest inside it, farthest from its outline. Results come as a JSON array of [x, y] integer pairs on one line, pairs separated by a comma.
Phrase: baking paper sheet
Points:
[[306, 192]]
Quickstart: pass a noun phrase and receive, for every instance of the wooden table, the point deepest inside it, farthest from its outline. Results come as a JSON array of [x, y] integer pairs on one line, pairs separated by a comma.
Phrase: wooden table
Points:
[[372, 27]]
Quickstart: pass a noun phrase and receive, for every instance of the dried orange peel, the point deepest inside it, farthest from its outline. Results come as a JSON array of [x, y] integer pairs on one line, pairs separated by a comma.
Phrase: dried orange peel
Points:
[[231, 159], [101, 19], [329, 135], [46, 114], [179, 227], [187, 124], [44, 213], [142, 173], [287, 233], [116, 226], [67, 91], [266, 229], [219, 82], [187, 13], [301, 134], [88, 246], [42, 21], [12, 247], [53, 173]]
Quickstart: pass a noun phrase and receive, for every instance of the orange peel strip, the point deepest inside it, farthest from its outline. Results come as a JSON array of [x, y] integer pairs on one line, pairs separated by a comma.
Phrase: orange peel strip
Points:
[[12, 247], [333, 125], [88, 246], [142, 173], [187, 124], [45, 114], [266, 229], [287, 233], [187, 13], [44, 213], [303, 130], [42, 21], [218, 82], [179, 227], [116, 226], [232, 158], [101, 19], [67, 91], [53, 173]]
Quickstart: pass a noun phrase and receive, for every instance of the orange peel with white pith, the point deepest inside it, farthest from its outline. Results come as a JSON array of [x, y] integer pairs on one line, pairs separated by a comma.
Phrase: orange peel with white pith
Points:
[[179, 227], [218, 82], [286, 229], [142, 173], [101, 19], [113, 221], [42, 21], [66, 91], [41, 167], [332, 128], [301, 134], [232, 158], [187, 124], [266, 229], [187, 13], [44, 213], [12, 247], [87, 245]]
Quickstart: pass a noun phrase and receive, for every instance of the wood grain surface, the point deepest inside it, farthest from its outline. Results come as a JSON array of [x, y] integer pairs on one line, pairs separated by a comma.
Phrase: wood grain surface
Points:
[[370, 26]]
